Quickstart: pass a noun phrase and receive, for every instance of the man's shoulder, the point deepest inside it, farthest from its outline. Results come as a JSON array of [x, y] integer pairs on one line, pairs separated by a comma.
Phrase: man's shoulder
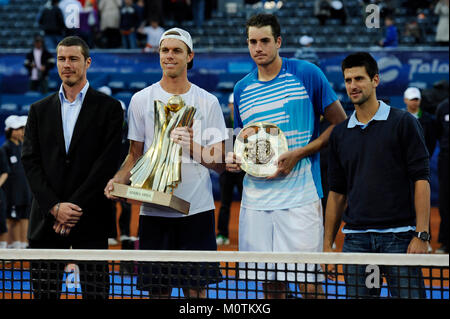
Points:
[[299, 67], [203, 93], [145, 91], [50, 99], [341, 127]]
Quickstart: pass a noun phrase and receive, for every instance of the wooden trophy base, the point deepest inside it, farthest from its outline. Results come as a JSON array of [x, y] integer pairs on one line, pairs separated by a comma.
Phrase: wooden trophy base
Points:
[[139, 195]]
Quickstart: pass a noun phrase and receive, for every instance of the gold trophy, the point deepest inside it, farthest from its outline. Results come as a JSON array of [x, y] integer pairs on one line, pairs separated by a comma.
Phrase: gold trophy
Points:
[[157, 173], [259, 145]]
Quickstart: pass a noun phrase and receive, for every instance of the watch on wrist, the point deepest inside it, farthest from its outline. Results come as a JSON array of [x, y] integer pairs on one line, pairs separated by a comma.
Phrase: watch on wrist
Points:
[[423, 235]]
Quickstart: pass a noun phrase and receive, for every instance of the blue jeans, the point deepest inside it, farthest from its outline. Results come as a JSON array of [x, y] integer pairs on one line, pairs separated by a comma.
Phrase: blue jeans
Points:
[[403, 281]]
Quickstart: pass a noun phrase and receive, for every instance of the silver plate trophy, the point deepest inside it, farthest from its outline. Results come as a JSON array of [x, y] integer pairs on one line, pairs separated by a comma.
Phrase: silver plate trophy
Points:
[[259, 145]]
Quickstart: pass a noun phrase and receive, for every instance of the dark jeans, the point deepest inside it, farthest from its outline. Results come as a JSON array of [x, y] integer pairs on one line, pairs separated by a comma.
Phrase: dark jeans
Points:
[[47, 275], [403, 281], [227, 182]]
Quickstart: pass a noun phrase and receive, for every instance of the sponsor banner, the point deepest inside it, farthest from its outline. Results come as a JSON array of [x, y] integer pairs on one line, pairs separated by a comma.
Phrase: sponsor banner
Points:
[[398, 68]]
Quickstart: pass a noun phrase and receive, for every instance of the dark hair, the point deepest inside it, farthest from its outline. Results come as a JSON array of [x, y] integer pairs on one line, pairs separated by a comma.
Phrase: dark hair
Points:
[[75, 41], [361, 59], [262, 20]]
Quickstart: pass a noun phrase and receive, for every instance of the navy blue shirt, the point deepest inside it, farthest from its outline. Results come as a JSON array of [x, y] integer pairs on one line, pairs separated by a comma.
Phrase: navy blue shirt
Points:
[[376, 166]]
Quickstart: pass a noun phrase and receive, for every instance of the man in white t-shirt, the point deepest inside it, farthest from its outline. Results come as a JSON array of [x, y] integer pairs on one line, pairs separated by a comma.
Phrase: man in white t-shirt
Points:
[[164, 229]]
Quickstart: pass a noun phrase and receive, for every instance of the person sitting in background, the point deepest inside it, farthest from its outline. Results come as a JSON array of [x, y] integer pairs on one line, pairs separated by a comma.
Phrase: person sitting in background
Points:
[[38, 62], [154, 32], [412, 29], [391, 34]]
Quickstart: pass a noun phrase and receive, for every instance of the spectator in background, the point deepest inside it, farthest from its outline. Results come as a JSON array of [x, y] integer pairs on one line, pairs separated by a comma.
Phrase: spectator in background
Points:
[[443, 134], [412, 99], [129, 23], [51, 21], [141, 12], [89, 23], [71, 10], [4, 170], [153, 31], [391, 35], [39, 62], [442, 10], [17, 191], [307, 52], [110, 23], [413, 29]]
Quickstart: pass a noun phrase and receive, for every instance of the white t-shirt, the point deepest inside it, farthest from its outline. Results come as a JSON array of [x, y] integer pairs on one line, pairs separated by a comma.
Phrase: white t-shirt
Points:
[[153, 35], [209, 128]]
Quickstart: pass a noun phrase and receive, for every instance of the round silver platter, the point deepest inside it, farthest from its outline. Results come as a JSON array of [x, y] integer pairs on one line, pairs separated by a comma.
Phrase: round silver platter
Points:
[[259, 145]]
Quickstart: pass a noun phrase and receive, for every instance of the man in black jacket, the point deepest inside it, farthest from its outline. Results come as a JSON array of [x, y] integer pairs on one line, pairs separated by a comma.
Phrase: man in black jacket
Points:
[[38, 63], [71, 148]]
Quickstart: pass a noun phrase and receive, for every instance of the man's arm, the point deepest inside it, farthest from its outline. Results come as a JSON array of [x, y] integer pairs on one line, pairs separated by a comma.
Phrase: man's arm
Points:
[[32, 163], [422, 206], [3, 178], [334, 114], [333, 217], [123, 174]]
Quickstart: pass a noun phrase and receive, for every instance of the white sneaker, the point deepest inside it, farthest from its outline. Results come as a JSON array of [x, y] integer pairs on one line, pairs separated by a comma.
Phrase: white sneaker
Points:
[[112, 241], [222, 240]]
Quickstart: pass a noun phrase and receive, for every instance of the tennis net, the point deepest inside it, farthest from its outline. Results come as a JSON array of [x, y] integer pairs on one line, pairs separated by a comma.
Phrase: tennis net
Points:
[[138, 274]]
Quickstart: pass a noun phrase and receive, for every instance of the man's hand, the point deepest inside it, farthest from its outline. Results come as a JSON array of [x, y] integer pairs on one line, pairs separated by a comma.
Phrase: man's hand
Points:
[[233, 163], [418, 246], [67, 213], [183, 136], [66, 216], [110, 187], [61, 229], [286, 163], [329, 269]]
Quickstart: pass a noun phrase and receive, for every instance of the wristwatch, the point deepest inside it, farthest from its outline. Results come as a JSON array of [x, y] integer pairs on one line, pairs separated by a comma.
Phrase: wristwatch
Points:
[[423, 235]]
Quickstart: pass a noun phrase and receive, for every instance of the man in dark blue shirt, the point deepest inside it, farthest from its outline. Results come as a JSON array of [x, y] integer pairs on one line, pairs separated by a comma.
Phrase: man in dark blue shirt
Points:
[[379, 182]]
